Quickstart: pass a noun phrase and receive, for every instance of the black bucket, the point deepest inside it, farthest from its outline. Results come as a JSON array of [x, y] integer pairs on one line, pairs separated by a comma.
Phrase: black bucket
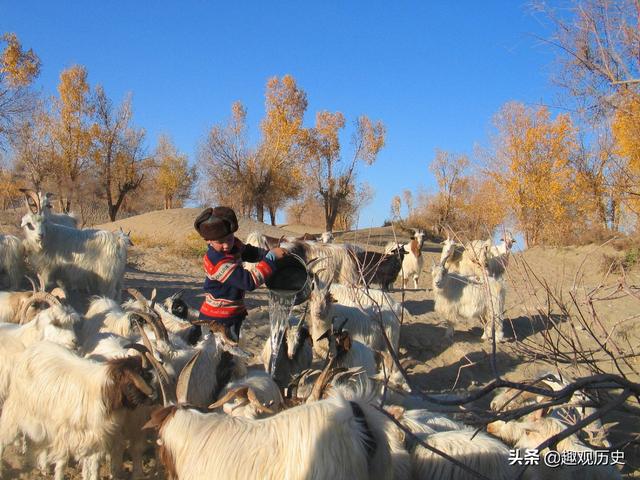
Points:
[[290, 278]]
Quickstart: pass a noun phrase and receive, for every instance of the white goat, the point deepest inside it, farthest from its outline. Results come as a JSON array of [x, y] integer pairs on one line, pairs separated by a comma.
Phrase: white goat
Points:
[[478, 451], [91, 260], [11, 305], [413, 262], [257, 239], [124, 238], [79, 405], [465, 259], [570, 413], [337, 262], [295, 355], [364, 321], [330, 438], [33, 199], [55, 324], [354, 296], [105, 315], [533, 431], [472, 298], [11, 260], [252, 396], [424, 421]]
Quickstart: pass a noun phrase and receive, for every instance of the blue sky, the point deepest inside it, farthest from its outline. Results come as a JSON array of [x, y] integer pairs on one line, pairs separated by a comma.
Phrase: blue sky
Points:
[[434, 72]]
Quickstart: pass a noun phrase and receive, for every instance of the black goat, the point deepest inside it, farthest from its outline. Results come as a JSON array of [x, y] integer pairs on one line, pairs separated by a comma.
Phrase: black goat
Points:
[[380, 268]]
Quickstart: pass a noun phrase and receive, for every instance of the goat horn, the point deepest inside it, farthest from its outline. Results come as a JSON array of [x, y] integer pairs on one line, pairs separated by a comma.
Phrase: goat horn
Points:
[[36, 297], [158, 327], [41, 281], [253, 399], [182, 387], [142, 350], [321, 382], [32, 282], [177, 295], [342, 324], [145, 338], [141, 384], [135, 293], [163, 376], [31, 194], [154, 292], [234, 392]]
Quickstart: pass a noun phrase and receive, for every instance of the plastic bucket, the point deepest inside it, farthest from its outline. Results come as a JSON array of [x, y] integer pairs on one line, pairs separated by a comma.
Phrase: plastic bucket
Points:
[[291, 279]]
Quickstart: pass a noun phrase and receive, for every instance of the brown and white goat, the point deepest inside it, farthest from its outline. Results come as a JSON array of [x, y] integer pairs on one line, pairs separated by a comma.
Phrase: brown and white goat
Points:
[[79, 404]]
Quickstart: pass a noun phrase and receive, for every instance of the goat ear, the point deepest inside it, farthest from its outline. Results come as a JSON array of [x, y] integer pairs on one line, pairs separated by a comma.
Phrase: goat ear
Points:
[[346, 342]]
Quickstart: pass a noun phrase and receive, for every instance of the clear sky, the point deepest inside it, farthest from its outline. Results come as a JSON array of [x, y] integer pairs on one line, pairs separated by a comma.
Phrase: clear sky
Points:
[[435, 72]]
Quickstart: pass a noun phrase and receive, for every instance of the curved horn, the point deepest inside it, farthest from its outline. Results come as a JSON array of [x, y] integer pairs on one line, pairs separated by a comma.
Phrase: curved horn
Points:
[[158, 327], [33, 283], [234, 392], [154, 292], [36, 297], [344, 322], [142, 350], [135, 293], [140, 384], [177, 295], [145, 338], [163, 376], [163, 379], [34, 208], [182, 387], [42, 282], [253, 399], [322, 381]]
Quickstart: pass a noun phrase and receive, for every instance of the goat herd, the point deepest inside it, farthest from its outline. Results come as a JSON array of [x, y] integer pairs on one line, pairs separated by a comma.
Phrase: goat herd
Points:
[[84, 377]]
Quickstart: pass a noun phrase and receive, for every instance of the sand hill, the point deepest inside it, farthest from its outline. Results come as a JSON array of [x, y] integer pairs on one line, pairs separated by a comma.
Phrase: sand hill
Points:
[[176, 224]]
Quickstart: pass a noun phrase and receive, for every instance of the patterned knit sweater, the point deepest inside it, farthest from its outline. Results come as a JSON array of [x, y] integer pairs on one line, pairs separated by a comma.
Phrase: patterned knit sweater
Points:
[[226, 281]]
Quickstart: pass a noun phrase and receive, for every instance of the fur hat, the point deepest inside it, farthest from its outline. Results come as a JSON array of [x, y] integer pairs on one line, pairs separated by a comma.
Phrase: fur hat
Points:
[[216, 223]]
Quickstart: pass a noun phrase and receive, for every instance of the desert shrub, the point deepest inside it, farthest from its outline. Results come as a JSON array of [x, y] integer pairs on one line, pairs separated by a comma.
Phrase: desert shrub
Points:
[[192, 247], [617, 263], [145, 241]]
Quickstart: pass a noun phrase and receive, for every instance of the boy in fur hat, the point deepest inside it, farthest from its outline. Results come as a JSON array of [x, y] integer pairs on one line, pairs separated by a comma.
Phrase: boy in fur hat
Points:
[[226, 280]]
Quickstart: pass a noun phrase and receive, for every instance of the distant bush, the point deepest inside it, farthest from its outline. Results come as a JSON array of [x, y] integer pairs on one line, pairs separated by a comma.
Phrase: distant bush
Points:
[[192, 247], [617, 263]]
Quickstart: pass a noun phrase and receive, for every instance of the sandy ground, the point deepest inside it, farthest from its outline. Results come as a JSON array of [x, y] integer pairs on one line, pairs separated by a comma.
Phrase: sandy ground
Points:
[[439, 366]]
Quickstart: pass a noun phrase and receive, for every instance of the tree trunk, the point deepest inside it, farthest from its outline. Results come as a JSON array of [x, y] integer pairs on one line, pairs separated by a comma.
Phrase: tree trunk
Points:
[[260, 211], [272, 214]]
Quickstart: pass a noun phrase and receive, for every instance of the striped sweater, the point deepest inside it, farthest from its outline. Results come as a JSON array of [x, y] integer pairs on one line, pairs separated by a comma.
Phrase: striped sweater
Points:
[[227, 281]]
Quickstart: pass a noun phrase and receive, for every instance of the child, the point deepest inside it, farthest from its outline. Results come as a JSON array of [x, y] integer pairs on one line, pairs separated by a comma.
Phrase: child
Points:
[[226, 280]]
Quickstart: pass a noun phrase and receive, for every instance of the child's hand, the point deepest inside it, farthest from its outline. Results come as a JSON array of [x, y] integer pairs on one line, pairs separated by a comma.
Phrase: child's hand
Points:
[[278, 252]]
